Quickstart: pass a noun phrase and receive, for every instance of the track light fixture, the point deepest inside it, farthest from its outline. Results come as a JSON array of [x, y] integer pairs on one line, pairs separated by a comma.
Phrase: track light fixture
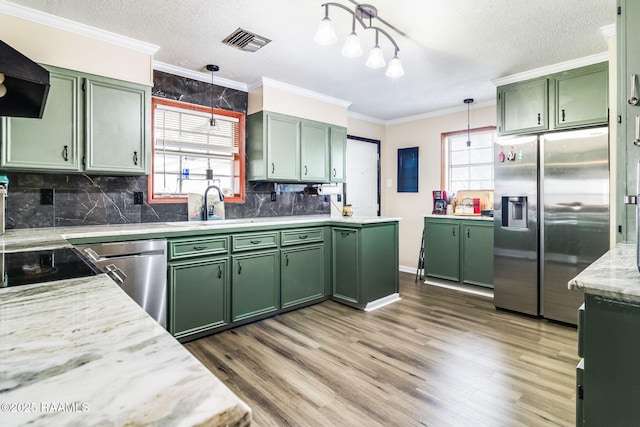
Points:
[[326, 35]]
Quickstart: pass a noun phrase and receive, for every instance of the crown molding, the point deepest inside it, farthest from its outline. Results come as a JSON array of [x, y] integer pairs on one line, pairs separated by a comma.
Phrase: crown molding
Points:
[[371, 119], [442, 112], [75, 27], [608, 31], [203, 76], [551, 69], [267, 82]]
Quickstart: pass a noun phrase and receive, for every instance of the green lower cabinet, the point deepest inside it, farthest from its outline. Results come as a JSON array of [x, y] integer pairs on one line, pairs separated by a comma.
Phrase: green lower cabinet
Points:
[[345, 264], [302, 274], [459, 250], [365, 263], [442, 249], [610, 390], [477, 254], [198, 296], [255, 284]]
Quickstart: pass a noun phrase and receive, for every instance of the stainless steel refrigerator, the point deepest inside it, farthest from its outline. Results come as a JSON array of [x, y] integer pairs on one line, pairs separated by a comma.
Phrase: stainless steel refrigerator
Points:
[[551, 218]]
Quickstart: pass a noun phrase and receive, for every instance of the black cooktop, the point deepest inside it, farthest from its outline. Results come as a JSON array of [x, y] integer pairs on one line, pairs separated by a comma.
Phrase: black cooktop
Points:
[[25, 268]]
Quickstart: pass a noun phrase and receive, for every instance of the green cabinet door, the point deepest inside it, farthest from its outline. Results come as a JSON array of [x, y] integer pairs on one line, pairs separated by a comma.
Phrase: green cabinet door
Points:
[[283, 148], [611, 369], [117, 126], [523, 107], [52, 142], [302, 274], [345, 264], [378, 262], [582, 96], [314, 146], [255, 284], [477, 254], [442, 249], [338, 154], [198, 296]]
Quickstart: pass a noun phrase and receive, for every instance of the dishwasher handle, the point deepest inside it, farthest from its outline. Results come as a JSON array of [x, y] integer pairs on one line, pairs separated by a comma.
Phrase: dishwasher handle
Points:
[[116, 274], [93, 255]]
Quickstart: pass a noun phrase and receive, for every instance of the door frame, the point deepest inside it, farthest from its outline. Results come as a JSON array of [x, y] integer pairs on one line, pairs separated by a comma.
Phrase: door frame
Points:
[[346, 184]]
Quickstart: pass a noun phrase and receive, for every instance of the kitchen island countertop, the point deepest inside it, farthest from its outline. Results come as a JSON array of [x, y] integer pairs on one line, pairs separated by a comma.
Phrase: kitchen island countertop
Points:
[[614, 275]]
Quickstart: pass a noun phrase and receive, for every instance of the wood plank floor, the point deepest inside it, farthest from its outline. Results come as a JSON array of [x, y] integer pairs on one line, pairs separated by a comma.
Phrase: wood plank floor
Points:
[[438, 357]]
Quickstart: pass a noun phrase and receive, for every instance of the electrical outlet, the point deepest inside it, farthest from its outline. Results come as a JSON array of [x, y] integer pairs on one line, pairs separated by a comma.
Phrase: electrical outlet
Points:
[[327, 198], [339, 198], [274, 196], [138, 197], [46, 196]]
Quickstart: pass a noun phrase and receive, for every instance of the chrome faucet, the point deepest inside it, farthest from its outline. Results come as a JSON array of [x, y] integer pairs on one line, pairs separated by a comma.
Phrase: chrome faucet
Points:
[[205, 209]]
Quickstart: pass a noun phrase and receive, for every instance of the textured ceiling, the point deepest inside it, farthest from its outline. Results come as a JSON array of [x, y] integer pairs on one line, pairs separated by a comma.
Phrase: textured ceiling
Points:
[[450, 49]]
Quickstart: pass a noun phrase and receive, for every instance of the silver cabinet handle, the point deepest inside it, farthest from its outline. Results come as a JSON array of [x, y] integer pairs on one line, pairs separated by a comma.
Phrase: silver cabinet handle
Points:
[[633, 98], [255, 242], [636, 141]]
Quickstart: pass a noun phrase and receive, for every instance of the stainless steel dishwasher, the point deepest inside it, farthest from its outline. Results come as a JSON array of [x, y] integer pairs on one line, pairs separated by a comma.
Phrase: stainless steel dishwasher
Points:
[[139, 267]]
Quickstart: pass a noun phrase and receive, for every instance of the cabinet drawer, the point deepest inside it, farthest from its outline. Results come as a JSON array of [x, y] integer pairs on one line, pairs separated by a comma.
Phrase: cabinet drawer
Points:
[[248, 242], [191, 247], [306, 235]]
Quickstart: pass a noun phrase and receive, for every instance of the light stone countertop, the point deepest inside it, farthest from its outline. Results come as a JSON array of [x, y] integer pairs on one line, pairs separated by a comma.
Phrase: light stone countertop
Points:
[[81, 352], [461, 217], [615, 275]]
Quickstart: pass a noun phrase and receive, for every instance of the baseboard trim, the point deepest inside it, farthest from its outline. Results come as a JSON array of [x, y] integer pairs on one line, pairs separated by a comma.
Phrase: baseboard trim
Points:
[[389, 299]]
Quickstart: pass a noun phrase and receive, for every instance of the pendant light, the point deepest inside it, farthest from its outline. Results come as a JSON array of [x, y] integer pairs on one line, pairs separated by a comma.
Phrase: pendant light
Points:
[[468, 101], [213, 69], [326, 34], [376, 58]]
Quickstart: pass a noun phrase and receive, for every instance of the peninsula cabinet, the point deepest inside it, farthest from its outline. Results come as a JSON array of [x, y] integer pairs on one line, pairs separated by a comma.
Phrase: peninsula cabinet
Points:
[[365, 263], [284, 148], [607, 379], [459, 250], [90, 124], [568, 99]]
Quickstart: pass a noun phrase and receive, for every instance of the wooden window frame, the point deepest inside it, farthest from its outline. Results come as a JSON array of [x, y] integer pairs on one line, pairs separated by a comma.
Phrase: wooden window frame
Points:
[[239, 157]]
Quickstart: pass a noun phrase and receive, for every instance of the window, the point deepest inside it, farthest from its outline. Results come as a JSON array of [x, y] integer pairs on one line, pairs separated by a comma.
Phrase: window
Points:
[[189, 154], [468, 167]]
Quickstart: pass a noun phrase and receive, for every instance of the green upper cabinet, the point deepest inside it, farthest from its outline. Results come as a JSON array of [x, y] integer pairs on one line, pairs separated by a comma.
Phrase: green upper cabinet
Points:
[[102, 121], [338, 154], [523, 107], [117, 126], [581, 96], [50, 143], [314, 144], [568, 99], [284, 148]]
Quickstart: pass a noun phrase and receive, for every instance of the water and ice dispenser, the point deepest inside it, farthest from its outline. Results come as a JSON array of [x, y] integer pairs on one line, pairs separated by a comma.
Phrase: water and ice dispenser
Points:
[[514, 211]]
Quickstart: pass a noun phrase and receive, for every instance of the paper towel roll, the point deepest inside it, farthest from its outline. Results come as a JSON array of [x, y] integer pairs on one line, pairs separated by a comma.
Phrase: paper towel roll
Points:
[[323, 191]]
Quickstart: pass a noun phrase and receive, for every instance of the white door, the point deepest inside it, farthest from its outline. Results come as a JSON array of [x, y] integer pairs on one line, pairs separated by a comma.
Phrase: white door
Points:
[[363, 183]]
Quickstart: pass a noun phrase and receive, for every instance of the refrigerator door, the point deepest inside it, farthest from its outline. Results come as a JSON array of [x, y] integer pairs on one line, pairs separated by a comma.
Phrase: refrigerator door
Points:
[[515, 256], [574, 193]]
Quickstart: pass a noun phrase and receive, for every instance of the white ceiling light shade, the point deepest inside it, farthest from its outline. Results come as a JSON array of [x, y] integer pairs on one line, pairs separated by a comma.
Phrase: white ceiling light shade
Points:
[[395, 70], [376, 57], [352, 47], [326, 34]]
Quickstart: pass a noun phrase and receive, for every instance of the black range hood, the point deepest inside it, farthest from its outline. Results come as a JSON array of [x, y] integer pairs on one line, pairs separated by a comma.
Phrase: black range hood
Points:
[[27, 84]]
